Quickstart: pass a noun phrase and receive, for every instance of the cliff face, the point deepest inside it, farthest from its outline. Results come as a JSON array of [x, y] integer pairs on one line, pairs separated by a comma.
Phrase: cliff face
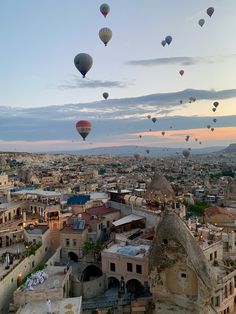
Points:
[[179, 271]]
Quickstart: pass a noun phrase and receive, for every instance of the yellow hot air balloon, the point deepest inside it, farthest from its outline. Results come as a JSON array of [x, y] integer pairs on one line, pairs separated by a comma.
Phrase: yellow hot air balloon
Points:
[[105, 34]]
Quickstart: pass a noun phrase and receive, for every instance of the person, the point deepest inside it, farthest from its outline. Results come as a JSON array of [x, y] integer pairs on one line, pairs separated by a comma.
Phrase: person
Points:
[[49, 306]]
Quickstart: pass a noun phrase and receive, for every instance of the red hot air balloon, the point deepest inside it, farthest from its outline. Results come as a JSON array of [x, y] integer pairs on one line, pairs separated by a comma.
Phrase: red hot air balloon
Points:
[[83, 127], [104, 9], [210, 11], [181, 72]]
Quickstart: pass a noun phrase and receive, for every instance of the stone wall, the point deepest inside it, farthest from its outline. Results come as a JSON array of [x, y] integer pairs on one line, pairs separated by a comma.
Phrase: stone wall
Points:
[[9, 283], [88, 289]]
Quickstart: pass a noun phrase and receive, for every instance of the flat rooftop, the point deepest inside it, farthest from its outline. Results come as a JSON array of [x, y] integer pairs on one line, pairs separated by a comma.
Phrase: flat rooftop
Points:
[[36, 229], [56, 277], [38, 192], [129, 250], [69, 305]]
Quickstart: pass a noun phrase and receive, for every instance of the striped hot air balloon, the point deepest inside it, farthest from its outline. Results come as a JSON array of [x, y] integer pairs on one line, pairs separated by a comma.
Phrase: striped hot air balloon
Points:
[[83, 127]]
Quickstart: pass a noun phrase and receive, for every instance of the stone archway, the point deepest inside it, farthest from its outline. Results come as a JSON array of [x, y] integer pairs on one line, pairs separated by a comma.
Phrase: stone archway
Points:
[[91, 272], [113, 283], [135, 287], [73, 256]]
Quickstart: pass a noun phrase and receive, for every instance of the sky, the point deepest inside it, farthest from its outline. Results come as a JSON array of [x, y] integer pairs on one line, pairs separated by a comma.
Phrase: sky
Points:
[[42, 94]]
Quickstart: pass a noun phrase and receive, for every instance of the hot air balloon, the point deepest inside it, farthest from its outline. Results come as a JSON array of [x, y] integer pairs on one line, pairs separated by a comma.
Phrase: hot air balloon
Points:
[[154, 120], [201, 22], [163, 133], [104, 9], [168, 39], [149, 116], [150, 130], [214, 120], [83, 63], [212, 129], [147, 151], [181, 72], [216, 104], [200, 143], [140, 136], [83, 127], [171, 127], [214, 109], [210, 11], [105, 34], [208, 126], [186, 153], [105, 95], [181, 101], [163, 43], [196, 139]]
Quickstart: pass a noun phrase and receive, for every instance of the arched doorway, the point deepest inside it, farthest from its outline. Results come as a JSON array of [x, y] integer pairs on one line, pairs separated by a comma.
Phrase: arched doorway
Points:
[[113, 283], [135, 288], [18, 212], [73, 257], [91, 272]]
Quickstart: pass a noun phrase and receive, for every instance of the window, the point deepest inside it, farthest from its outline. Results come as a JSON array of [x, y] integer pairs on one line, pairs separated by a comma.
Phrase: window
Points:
[[215, 254], [112, 267], [217, 301], [129, 267], [67, 242], [165, 241], [74, 242], [231, 288], [226, 292], [211, 257], [139, 269], [108, 224], [33, 264], [183, 275]]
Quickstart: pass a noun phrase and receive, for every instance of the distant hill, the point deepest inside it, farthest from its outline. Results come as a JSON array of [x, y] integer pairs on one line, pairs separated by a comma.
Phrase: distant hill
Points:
[[230, 149], [130, 150]]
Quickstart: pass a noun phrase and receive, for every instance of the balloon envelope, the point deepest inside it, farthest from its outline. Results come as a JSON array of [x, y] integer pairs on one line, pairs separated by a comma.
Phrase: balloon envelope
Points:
[[214, 120], [104, 9], [216, 104], [105, 95], [181, 72], [163, 133], [214, 109], [83, 127], [105, 35], [163, 43], [210, 11], [154, 120], [201, 22], [149, 116], [168, 39], [83, 63]]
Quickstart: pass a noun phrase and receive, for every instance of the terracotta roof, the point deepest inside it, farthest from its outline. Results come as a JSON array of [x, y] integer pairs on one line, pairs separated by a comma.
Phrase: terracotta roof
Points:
[[216, 210], [99, 211]]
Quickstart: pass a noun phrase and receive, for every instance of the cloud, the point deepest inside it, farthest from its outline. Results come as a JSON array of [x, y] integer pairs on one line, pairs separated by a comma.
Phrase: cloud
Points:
[[185, 61], [112, 119], [170, 61], [83, 83]]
